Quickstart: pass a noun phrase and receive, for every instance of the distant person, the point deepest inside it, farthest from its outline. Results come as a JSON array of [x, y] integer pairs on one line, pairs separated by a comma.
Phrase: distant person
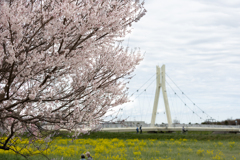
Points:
[[137, 130], [82, 157], [88, 156], [140, 129], [184, 130]]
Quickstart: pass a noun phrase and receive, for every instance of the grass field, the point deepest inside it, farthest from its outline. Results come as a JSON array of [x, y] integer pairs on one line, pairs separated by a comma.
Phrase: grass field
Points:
[[125, 146]]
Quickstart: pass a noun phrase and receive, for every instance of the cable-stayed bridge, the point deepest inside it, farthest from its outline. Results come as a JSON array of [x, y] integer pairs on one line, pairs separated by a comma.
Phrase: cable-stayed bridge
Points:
[[190, 109]]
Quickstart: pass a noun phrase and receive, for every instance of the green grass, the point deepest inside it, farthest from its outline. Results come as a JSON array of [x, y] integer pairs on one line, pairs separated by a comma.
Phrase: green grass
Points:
[[163, 136], [161, 146]]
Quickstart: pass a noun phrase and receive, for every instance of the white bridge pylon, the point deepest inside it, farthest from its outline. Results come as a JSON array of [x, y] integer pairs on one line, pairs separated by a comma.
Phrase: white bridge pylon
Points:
[[161, 85]]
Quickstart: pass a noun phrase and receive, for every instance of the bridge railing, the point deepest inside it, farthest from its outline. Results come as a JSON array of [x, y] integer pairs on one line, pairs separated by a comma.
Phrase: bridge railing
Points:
[[205, 125], [166, 125]]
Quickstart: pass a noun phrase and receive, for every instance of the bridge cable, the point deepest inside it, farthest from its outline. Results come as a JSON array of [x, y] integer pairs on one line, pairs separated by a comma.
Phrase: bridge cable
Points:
[[172, 100], [143, 85], [188, 97], [183, 101], [144, 89], [141, 92]]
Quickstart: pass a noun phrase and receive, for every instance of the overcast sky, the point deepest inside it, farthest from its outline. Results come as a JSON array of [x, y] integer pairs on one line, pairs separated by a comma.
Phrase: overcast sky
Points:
[[199, 42]]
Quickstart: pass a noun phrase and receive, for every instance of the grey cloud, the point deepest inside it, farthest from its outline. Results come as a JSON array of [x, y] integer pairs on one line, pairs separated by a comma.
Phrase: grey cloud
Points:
[[223, 3], [200, 46]]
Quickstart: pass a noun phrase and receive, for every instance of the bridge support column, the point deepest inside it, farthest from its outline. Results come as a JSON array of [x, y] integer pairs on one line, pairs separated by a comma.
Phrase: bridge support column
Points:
[[155, 105], [161, 83], [164, 91]]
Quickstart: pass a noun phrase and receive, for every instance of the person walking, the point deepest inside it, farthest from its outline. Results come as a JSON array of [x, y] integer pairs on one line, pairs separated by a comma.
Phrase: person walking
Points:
[[184, 130], [140, 129], [89, 156], [137, 130]]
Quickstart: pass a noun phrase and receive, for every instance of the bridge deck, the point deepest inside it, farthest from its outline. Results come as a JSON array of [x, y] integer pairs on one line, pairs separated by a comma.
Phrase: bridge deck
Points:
[[133, 129]]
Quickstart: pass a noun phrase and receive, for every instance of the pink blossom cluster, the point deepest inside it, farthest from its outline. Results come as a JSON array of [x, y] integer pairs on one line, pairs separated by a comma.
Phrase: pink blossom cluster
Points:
[[60, 63]]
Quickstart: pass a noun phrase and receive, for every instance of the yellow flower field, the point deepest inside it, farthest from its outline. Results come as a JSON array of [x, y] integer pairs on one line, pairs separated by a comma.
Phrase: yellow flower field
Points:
[[152, 149]]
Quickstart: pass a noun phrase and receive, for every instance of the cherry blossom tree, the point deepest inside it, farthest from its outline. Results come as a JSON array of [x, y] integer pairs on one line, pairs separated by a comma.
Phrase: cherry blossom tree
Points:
[[61, 66]]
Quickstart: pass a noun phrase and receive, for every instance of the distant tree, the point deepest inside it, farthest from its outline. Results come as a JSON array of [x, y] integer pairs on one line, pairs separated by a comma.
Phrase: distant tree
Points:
[[60, 65], [226, 122], [176, 121]]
